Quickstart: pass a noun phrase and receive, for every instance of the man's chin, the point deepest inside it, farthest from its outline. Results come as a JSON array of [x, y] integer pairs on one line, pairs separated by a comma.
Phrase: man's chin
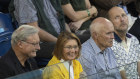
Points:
[[110, 45], [33, 54]]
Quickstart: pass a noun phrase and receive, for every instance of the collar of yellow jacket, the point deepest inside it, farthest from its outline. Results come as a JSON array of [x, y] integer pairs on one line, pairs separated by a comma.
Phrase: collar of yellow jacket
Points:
[[76, 66]]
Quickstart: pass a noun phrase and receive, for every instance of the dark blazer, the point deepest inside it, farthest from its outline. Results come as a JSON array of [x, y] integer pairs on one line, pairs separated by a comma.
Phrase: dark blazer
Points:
[[10, 65], [135, 29]]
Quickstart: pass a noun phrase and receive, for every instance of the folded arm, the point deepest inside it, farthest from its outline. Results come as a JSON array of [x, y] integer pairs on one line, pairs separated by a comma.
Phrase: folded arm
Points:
[[44, 35], [78, 15]]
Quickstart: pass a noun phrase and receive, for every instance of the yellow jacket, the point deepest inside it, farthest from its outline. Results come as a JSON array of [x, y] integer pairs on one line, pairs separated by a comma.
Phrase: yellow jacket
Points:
[[56, 70]]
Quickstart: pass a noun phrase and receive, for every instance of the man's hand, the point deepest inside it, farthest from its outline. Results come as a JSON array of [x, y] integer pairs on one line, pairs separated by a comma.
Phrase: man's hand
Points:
[[75, 25]]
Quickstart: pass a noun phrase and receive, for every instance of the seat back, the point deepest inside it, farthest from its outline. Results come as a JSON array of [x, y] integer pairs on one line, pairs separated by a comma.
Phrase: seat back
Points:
[[6, 29]]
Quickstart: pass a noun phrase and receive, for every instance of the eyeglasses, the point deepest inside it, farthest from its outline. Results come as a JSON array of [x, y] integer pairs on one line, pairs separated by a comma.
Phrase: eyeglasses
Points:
[[70, 47], [34, 44]]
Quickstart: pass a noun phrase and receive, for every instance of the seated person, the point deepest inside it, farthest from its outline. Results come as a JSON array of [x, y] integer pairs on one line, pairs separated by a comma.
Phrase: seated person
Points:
[[25, 44], [125, 46], [47, 16], [78, 13], [67, 48], [96, 54]]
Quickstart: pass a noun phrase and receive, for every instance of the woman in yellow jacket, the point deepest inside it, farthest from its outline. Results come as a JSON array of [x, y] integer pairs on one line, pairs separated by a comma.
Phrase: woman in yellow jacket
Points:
[[63, 64]]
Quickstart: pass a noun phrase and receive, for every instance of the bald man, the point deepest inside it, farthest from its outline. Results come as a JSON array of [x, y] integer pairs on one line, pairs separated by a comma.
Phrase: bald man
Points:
[[125, 46], [97, 56]]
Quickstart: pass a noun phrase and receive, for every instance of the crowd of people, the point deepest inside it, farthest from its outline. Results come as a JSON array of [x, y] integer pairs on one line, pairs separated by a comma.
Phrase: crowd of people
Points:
[[89, 38]]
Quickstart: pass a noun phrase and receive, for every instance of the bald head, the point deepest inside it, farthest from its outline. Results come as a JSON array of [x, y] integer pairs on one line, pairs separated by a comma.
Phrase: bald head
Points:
[[113, 11], [119, 19], [98, 24], [102, 32]]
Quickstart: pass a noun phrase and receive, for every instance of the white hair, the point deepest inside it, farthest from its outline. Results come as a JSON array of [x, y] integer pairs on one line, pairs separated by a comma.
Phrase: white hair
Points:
[[22, 33]]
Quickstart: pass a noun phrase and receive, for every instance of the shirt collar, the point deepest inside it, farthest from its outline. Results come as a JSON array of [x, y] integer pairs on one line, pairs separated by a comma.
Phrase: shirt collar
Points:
[[94, 46], [118, 39]]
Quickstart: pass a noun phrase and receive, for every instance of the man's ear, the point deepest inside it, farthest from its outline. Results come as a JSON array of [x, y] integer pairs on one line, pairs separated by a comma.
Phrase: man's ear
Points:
[[94, 35], [20, 44]]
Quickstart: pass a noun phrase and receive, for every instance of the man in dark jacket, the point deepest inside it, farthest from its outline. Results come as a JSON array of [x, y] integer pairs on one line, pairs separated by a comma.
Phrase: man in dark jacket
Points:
[[103, 7], [25, 43], [136, 26]]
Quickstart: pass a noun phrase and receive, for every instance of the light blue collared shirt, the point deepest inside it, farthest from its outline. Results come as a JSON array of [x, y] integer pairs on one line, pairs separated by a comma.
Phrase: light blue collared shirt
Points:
[[93, 61]]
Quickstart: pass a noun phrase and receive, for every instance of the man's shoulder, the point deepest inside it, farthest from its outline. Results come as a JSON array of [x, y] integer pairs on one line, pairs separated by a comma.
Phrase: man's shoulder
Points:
[[87, 48], [128, 35], [133, 38], [86, 44], [6, 61], [5, 64], [5, 58], [7, 67]]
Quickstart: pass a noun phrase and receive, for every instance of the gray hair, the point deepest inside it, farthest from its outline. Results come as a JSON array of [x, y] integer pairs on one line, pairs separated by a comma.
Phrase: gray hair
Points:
[[22, 33], [94, 27]]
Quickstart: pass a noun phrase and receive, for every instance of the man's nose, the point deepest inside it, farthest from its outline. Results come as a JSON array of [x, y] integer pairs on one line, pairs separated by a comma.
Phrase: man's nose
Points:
[[112, 36], [38, 47]]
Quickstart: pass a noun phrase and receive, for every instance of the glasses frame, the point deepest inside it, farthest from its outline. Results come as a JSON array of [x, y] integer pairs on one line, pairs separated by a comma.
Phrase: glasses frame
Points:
[[34, 44], [71, 47]]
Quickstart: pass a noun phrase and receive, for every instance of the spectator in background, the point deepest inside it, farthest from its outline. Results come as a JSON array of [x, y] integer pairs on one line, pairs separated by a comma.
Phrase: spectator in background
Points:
[[103, 7], [96, 55], [46, 15], [125, 46], [67, 48], [79, 13], [136, 26], [25, 44], [4, 6]]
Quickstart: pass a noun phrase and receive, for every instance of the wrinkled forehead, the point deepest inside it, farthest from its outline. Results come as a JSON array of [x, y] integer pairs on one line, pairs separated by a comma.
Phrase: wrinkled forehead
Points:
[[107, 27], [33, 37]]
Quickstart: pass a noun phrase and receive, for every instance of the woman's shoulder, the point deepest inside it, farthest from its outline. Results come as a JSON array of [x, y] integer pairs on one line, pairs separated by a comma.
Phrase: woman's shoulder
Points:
[[53, 61]]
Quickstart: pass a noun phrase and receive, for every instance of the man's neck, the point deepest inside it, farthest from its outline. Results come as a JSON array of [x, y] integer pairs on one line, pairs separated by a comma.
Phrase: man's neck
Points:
[[99, 45], [20, 56], [22, 60], [122, 35]]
